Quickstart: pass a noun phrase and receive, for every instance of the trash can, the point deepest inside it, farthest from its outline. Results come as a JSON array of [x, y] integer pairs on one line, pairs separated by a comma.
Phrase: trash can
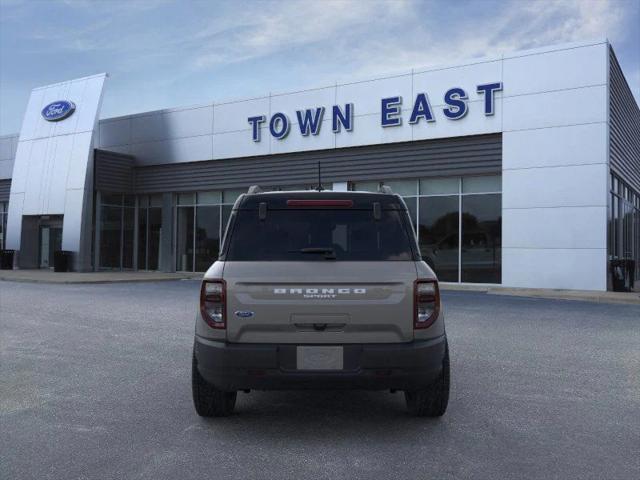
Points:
[[6, 259], [622, 274], [62, 260]]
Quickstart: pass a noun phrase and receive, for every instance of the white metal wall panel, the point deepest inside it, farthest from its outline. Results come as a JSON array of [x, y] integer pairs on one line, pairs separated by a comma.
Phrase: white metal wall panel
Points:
[[582, 233], [177, 150], [555, 169], [555, 109], [436, 82], [295, 142], [558, 70], [574, 144], [561, 186], [232, 116], [8, 147], [561, 268], [475, 122], [114, 132], [288, 103], [234, 144], [366, 95], [191, 122]]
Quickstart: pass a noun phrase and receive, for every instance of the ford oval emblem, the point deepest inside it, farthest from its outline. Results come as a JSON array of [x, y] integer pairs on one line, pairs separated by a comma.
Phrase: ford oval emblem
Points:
[[56, 111], [244, 314]]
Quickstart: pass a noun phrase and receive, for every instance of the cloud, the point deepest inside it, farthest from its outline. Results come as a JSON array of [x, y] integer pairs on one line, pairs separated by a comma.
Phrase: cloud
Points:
[[515, 26], [285, 26], [164, 53]]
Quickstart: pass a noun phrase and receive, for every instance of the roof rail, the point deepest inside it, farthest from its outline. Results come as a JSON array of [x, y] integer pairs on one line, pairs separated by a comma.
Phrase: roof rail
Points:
[[254, 189], [385, 189]]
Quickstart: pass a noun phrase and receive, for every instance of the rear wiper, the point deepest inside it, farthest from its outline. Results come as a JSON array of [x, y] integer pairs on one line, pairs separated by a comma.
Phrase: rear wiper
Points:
[[329, 253]]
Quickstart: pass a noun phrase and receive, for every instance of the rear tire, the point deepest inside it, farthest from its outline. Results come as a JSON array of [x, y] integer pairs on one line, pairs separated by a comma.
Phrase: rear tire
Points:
[[208, 400], [433, 400]]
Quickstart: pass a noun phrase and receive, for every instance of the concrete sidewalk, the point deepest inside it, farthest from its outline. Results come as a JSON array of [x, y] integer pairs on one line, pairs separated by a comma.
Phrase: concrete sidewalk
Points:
[[49, 276], [580, 295]]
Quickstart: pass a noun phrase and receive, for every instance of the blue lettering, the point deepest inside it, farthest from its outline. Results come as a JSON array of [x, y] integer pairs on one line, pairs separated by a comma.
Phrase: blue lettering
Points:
[[338, 118], [390, 109], [488, 89], [255, 126], [421, 109], [279, 125], [456, 99], [311, 122]]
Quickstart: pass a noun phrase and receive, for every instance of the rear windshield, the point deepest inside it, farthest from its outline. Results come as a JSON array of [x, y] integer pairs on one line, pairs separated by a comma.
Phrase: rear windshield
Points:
[[319, 235]]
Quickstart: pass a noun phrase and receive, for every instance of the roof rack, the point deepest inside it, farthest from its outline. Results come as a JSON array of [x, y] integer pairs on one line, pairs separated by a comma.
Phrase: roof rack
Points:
[[253, 189], [385, 189]]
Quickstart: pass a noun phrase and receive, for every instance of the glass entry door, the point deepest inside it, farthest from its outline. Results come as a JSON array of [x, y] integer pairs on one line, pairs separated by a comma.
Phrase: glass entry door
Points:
[[50, 241]]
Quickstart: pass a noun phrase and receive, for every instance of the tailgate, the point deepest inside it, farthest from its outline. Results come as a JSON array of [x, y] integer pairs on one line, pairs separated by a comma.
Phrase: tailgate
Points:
[[319, 302]]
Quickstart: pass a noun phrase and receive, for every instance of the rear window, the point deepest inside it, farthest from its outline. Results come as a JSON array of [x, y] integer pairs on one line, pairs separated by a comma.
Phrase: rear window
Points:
[[319, 235]]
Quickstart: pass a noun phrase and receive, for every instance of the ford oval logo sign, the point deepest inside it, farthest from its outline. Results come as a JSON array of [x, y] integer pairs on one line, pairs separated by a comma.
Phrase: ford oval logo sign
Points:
[[56, 111]]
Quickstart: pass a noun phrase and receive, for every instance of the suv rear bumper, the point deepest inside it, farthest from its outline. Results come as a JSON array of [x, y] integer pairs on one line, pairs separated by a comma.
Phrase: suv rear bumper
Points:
[[241, 366]]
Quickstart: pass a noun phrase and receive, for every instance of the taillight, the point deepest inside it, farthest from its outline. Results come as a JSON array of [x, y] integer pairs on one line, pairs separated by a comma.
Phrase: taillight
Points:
[[213, 303], [426, 303]]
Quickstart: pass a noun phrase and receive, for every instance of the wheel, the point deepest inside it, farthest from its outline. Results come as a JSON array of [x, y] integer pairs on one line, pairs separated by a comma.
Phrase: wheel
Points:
[[208, 400], [433, 400]]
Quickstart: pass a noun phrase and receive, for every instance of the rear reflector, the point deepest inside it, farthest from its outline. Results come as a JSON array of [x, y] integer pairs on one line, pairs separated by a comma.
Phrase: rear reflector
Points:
[[320, 203]]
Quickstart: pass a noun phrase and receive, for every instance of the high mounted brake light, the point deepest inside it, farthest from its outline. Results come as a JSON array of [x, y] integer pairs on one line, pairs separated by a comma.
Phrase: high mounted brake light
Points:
[[426, 303], [320, 203], [213, 297]]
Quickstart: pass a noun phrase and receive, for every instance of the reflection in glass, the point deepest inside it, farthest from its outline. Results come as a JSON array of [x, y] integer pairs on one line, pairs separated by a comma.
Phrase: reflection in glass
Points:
[[481, 238], [207, 236], [127, 237], [438, 225], [149, 227], [184, 235], [412, 207], [110, 236], [155, 227], [142, 237], [226, 213]]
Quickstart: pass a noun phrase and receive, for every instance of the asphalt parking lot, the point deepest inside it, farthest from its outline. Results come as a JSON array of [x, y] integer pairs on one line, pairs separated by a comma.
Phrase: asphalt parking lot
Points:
[[95, 383]]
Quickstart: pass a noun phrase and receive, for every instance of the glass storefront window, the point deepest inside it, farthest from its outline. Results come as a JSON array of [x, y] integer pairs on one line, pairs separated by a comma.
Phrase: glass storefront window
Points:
[[117, 222], [142, 235], [412, 206], [110, 236], [207, 237], [365, 186], [149, 228], [155, 200], [186, 199], [481, 251], [492, 184], [128, 230], [3, 223], [185, 235], [226, 213], [111, 199], [438, 235], [403, 187], [155, 229], [439, 186], [230, 196], [209, 198]]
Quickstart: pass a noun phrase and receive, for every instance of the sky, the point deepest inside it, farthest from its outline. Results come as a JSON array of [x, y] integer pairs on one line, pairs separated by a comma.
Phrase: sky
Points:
[[162, 53]]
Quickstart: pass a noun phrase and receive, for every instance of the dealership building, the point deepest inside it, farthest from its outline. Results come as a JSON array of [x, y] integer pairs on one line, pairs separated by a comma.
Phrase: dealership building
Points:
[[521, 169]]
